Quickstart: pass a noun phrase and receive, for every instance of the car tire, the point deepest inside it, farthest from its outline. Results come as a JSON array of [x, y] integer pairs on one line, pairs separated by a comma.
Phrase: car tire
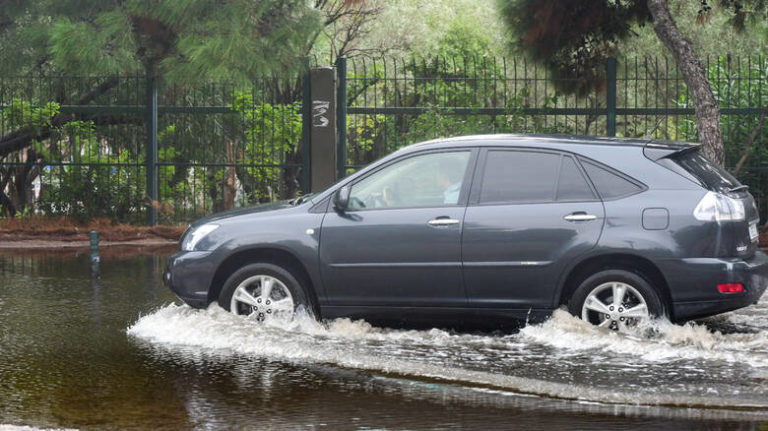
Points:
[[594, 300], [263, 291]]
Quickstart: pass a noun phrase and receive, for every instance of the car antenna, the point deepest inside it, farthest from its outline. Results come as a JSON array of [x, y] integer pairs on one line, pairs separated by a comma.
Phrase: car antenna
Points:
[[655, 128]]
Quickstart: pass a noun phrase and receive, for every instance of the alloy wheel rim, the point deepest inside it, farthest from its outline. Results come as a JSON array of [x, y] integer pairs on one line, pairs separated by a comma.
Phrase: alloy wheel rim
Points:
[[262, 297], [615, 305]]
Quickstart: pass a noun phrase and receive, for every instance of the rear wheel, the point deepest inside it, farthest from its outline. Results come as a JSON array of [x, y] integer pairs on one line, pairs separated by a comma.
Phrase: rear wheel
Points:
[[263, 291], [616, 299]]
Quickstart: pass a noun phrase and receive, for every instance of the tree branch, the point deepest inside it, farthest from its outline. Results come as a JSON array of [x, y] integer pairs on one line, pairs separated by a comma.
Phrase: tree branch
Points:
[[21, 138]]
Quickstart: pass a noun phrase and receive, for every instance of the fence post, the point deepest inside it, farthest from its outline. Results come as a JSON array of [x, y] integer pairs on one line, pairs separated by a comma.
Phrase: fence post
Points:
[[341, 117], [151, 148], [306, 133], [324, 132], [610, 97]]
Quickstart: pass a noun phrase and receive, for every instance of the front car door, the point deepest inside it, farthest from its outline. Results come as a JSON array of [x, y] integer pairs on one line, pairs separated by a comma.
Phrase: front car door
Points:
[[530, 213], [399, 242]]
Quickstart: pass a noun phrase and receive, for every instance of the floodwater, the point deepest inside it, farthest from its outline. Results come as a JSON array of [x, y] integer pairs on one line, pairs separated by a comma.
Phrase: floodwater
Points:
[[118, 351]]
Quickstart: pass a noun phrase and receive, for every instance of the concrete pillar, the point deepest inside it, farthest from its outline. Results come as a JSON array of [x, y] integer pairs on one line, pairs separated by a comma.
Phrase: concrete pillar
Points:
[[324, 136]]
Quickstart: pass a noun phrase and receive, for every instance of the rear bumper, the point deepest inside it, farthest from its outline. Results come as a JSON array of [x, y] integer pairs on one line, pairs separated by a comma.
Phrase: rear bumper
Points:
[[188, 274], [693, 284]]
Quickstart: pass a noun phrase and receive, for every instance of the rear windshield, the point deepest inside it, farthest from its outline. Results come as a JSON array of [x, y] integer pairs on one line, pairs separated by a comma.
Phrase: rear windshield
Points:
[[701, 170]]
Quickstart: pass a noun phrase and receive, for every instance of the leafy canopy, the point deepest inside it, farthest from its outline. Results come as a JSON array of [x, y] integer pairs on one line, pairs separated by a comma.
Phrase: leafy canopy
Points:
[[183, 40], [573, 37]]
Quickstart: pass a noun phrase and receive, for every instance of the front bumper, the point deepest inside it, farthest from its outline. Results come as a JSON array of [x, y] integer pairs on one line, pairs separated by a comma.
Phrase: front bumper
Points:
[[188, 274], [693, 284]]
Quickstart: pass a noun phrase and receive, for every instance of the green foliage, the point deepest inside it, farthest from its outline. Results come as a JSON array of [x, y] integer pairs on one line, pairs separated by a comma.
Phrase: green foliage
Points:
[[741, 85], [93, 183], [429, 28], [573, 37], [442, 124], [436, 124], [271, 132], [712, 33], [440, 85], [366, 137], [373, 136], [182, 40], [20, 114], [80, 190], [172, 179]]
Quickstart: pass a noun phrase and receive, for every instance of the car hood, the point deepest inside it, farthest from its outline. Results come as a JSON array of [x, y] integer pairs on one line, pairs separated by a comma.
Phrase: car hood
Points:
[[239, 212]]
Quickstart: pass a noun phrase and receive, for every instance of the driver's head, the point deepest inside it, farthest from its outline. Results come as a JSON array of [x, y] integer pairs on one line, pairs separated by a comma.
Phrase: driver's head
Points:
[[449, 172]]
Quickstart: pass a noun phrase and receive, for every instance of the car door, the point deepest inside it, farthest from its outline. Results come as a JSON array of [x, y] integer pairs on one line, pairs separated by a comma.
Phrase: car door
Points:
[[399, 241], [530, 213]]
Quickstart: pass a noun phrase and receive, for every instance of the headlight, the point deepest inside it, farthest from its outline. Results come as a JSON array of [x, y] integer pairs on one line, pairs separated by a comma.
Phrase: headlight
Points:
[[195, 235]]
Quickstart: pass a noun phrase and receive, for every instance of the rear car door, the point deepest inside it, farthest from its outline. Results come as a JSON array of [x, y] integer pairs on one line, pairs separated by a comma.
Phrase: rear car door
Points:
[[530, 213]]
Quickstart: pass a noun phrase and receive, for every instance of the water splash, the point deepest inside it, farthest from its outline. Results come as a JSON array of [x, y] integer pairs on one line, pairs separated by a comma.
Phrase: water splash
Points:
[[530, 362], [659, 341]]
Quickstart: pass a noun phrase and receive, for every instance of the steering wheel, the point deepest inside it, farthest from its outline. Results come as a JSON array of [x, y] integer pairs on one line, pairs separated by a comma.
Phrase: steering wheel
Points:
[[355, 202]]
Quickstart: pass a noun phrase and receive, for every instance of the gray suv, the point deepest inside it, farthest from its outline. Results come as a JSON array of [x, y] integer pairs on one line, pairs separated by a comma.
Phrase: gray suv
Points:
[[491, 230]]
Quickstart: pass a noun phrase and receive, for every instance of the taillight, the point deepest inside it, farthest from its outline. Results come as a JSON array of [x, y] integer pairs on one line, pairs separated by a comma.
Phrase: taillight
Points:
[[730, 287], [717, 207]]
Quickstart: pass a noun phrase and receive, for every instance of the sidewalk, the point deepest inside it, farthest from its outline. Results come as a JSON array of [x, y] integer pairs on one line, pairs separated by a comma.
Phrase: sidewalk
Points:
[[41, 233]]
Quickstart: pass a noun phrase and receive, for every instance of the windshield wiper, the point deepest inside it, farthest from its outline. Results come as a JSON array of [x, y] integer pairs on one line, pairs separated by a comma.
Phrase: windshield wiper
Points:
[[301, 199]]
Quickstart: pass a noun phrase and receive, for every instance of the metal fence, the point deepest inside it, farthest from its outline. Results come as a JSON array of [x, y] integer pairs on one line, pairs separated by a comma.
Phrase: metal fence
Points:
[[91, 147], [127, 149], [392, 103]]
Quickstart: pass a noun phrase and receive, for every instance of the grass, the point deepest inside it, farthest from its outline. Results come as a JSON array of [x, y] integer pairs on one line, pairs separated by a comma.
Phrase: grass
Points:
[[64, 229]]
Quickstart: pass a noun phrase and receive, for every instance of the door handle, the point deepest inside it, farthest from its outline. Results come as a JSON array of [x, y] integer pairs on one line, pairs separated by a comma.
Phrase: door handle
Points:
[[580, 216], [442, 221]]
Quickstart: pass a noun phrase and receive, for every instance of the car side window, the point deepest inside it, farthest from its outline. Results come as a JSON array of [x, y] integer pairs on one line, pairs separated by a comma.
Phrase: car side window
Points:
[[426, 180], [519, 177], [608, 184], [571, 184]]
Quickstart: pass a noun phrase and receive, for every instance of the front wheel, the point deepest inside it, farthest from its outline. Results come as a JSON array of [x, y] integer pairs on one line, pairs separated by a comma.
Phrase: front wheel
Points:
[[616, 299], [263, 291]]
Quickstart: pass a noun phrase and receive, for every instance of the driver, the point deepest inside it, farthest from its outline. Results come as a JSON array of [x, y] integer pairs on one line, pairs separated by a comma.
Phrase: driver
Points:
[[449, 175]]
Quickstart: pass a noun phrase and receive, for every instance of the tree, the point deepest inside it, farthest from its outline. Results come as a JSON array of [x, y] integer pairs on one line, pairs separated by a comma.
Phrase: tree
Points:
[[176, 40], [343, 23], [421, 28], [712, 33], [573, 37], [695, 75]]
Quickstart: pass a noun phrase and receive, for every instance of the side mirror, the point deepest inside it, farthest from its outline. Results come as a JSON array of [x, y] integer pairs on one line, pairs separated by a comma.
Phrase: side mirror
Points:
[[341, 198]]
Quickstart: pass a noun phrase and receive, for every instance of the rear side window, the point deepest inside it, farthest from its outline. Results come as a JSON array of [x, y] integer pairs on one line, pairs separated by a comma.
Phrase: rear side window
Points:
[[519, 176], [572, 186], [703, 171], [608, 184]]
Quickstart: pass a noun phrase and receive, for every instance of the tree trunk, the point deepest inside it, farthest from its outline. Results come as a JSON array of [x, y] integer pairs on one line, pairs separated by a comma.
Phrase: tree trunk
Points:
[[695, 75], [229, 191]]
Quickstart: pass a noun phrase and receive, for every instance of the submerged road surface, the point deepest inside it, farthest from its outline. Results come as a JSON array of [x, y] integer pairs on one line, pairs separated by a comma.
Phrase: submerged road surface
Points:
[[117, 352]]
